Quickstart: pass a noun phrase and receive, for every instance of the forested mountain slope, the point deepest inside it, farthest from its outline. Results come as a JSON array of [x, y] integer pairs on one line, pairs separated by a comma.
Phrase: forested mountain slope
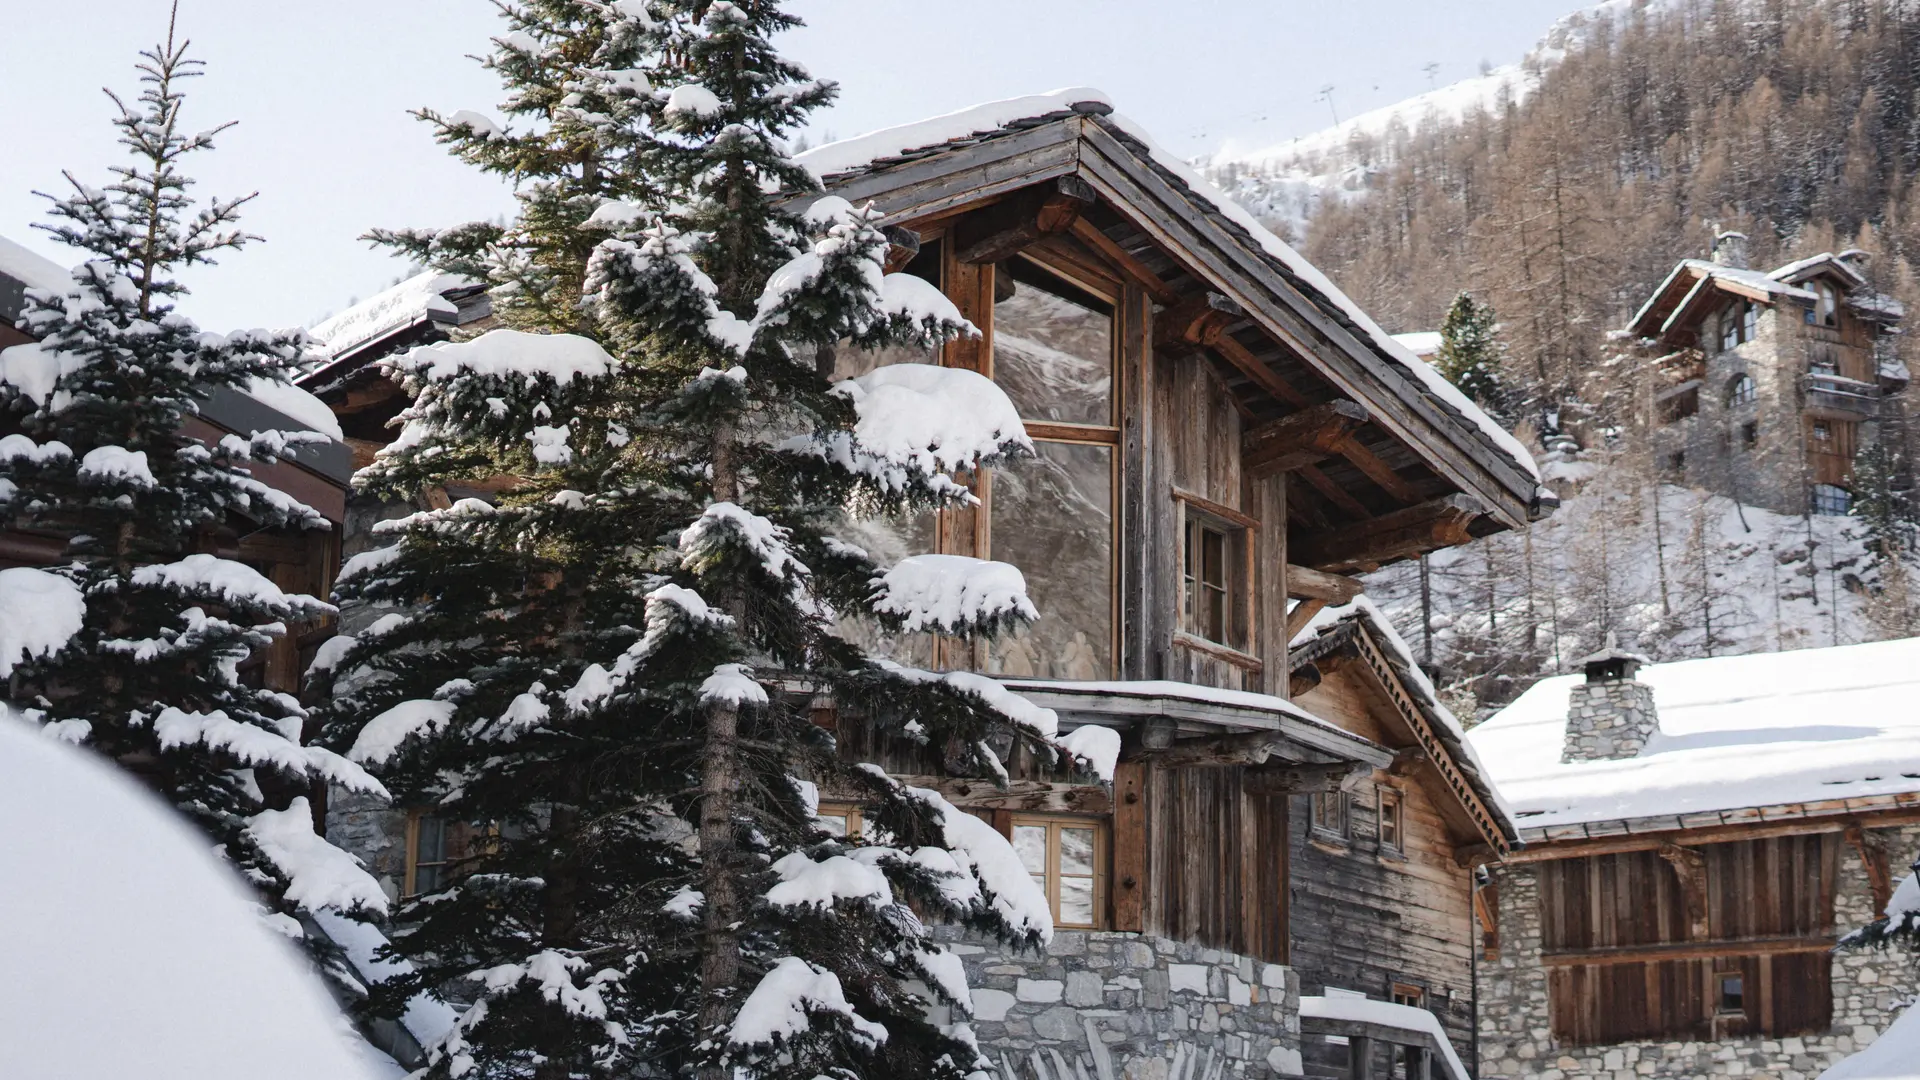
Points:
[[1563, 197]]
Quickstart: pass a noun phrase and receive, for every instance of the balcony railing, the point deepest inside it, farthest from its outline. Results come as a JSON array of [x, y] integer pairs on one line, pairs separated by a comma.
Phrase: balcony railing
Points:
[[1383, 1041], [1837, 392]]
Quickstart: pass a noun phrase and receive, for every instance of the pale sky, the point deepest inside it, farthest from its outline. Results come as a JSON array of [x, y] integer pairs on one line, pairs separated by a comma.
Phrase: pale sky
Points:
[[321, 93]]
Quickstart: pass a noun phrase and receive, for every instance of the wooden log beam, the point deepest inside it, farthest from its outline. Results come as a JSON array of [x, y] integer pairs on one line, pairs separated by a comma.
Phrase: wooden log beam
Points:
[[1301, 438], [1198, 322], [1332, 492], [1303, 679], [1690, 950], [1130, 859], [1306, 583], [1089, 234], [1302, 614], [1254, 368], [1439, 523], [1545, 850], [1873, 857], [1378, 471], [1253, 748], [1690, 867], [1002, 230], [1033, 795], [902, 245], [1303, 779]]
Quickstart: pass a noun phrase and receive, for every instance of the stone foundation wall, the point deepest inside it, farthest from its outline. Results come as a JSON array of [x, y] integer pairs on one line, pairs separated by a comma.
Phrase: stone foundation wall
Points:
[[1516, 1032], [1147, 1004]]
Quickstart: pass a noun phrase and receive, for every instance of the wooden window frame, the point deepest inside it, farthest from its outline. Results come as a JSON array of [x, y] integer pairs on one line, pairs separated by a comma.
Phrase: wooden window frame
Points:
[[1102, 846], [1401, 993], [1317, 827], [1825, 506], [1390, 795], [1047, 431], [1241, 533], [1741, 390], [856, 823], [455, 836], [1719, 984]]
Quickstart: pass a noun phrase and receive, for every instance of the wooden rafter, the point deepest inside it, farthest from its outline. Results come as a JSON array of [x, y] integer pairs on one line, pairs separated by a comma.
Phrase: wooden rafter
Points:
[[1198, 322], [902, 246], [1033, 795], [1301, 438], [1306, 583], [1001, 231], [1301, 779], [1302, 614], [1254, 748], [1379, 471], [1434, 524], [1091, 235], [1332, 492], [1545, 850]]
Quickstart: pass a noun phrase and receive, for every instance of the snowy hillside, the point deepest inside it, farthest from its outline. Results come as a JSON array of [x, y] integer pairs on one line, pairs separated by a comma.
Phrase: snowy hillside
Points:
[[1285, 183], [1678, 573]]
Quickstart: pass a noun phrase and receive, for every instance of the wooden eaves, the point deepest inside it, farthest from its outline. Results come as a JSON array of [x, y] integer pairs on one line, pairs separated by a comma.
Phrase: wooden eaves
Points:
[[1284, 347]]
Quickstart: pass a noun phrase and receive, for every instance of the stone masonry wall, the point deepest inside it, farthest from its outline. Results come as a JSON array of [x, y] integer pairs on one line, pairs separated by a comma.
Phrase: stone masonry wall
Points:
[[1516, 1033], [1150, 1003], [1610, 719]]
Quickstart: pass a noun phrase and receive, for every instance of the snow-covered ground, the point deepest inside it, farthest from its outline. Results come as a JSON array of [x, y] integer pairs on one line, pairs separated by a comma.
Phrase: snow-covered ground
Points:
[[132, 951]]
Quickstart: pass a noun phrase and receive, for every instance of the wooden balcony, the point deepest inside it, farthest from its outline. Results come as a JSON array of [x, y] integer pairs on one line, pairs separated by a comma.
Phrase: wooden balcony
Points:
[[1837, 393]]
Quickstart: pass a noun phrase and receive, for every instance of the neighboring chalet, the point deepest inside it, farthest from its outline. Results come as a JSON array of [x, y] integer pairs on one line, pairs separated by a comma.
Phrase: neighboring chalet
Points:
[[1771, 381], [1219, 432], [1383, 902], [1696, 834], [297, 560]]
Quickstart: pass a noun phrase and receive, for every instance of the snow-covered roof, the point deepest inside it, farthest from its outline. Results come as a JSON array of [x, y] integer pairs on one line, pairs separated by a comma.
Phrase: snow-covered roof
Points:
[[30, 268], [1364, 613], [1387, 1014], [131, 950], [1421, 343], [1737, 734], [1802, 269], [879, 147], [412, 301]]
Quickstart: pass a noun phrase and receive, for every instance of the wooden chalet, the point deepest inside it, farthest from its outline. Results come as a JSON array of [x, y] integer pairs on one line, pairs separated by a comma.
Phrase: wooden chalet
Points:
[[1697, 833], [297, 560], [1222, 437]]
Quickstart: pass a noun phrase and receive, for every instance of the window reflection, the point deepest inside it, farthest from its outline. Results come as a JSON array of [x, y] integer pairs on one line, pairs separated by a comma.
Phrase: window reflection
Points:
[[1053, 350], [1053, 518]]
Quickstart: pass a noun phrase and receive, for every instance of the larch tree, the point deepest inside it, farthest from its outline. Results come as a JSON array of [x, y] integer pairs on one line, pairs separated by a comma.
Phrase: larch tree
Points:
[[611, 665], [132, 641]]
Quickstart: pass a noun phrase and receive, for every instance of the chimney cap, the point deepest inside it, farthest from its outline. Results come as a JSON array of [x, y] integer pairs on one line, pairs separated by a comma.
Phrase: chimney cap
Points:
[[1612, 663]]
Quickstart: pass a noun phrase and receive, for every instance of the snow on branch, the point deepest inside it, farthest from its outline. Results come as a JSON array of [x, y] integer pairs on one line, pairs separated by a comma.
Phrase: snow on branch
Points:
[[322, 876], [224, 581], [806, 883], [1096, 748], [39, 614], [656, 280], [1010, 891], [254, 745], [382, 736], [952, 594], [1039, 721], [786, 999], [552, 972], [733, 684], [724, 525], [919, 422], [503, 355]]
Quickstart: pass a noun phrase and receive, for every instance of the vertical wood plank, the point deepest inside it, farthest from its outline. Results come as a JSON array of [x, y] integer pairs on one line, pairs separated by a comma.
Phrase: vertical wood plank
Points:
[[1251, 942], [1129, 874], [1136, 431]]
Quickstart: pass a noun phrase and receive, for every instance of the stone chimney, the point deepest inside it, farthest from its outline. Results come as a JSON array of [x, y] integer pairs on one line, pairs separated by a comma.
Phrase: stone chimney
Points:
[[1730, 249], [1611, 715]]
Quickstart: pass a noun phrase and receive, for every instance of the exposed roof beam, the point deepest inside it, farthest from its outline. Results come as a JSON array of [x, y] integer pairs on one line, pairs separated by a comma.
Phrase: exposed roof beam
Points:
[[1435, 524], [1306, 583], [1302, 438], [1001, 231]]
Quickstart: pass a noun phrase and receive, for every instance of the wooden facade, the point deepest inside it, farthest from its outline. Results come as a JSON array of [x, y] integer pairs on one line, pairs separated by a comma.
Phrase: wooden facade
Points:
[[1230, 441]]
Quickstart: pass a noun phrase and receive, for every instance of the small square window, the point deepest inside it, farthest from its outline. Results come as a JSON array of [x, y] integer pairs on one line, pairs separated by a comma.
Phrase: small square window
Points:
[[1392, 821], [838, 819], [1832, 500], [435, 846], [1209, 594], [1216, 602], [1408, 994], [1677, 463], [1750, 433], [1731, 995], [1822, 431], [1329, 815]]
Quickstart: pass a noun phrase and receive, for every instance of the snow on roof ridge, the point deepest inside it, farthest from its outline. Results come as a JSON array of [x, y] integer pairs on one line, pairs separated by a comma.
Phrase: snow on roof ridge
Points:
[[397, 306], [1362, 608], [31, 268], [848, 154], [1736, 733], [860, 150]]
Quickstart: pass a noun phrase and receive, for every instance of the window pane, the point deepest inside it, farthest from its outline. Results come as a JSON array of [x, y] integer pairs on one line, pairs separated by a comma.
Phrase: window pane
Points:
[[1076, 851], [1076, 901], [1030, 843], [833, 823], [849, 362], [1053, 518], [1053, 356], [431, 843]]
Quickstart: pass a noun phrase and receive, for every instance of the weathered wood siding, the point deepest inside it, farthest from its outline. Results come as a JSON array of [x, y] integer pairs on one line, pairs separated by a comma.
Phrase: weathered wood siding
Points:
[[1757, 892], [1365, 918], [1216, 862]]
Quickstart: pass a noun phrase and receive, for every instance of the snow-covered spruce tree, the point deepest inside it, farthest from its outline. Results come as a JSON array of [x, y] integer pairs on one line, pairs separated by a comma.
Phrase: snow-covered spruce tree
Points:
[[610, 667], [1470, 356], [1899, 925], [132, 642]]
